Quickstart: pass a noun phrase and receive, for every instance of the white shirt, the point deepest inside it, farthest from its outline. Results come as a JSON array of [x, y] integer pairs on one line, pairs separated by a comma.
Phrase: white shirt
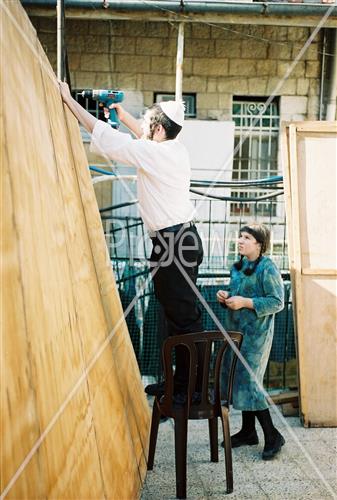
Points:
[[163, 174]]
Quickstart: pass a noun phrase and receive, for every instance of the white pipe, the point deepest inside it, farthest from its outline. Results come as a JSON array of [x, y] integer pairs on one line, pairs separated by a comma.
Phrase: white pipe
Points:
[[60, 39], [179, 63], [112, 178], [331, 100]]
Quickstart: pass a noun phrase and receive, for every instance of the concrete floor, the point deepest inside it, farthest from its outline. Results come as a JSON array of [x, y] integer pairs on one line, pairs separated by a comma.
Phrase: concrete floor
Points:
[[305, 468]]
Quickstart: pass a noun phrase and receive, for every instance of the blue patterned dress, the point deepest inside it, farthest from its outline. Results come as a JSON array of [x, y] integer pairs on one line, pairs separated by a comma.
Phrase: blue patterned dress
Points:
[[265, 287]]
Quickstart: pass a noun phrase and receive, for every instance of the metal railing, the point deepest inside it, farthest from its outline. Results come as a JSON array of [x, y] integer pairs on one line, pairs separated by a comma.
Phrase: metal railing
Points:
[[129, 247]]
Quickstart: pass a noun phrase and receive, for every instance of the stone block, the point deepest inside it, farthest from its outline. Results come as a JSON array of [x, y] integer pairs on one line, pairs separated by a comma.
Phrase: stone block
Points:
[[47, 25], [210, 67], [126, 81], [254, 49], [48, 41], [257, 86], [153, 29], [162, 65], [207, 100], [199, 30], [88, 43], [313, 108], [225, 104], [311, 53], [302, 86], [242, 67], [74, 61], [223, 31], [297, 71], [294, 105], [312, 69], [279, 87], [314, 86], [279, 33], [200, 48], [228, 48], [170, 47], [266, 68], [76, 26], [149, 46], [233, 85], [187, 66], [194, 84], [296, 34], [85, 79], [280, 51], [123, 45], [105, 81], [95, 62], [158, 82], [212, 84], [138, 64], [100, 27]]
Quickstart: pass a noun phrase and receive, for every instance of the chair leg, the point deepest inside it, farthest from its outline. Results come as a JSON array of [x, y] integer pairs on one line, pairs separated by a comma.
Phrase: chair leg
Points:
[[213, 438], [153, 434], [180, 441], [228, 449]]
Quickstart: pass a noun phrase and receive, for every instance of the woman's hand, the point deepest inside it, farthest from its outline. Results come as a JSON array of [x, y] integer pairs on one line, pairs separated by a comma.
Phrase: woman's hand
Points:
[[221, 296], [65, 91], [237, 302]]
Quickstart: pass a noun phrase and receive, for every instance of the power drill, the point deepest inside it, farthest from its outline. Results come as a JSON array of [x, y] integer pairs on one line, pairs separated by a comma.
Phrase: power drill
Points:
[[105, 98]]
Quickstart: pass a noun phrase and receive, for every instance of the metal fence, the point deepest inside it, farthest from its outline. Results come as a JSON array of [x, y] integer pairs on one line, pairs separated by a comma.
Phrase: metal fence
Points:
[[218, 218]]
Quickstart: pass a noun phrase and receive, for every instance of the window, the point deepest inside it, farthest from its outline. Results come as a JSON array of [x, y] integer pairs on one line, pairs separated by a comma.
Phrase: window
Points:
[[255, 149], [189, 99]]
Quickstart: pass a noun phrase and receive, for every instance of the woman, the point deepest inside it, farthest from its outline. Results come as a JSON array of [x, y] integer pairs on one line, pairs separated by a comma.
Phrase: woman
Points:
[[255, 295]]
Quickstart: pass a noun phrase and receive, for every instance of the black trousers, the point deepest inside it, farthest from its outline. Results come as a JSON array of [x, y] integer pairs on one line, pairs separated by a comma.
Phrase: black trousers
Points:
[[174, 291]]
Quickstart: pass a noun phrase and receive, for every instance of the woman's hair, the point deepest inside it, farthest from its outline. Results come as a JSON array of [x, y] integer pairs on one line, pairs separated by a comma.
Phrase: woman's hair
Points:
[[262, 235], [158, 117]]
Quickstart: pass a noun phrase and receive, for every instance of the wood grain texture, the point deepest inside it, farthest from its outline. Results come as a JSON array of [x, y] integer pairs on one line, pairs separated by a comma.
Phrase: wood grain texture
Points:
[[309, 162], [74, 418]]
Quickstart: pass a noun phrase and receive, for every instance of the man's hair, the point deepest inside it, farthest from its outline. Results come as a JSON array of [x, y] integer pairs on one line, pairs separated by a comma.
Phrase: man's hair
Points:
[[158, 117]]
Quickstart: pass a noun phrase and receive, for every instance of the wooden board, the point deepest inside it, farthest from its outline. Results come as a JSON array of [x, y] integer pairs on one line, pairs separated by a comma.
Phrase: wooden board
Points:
[[74, 418], [309, 152]]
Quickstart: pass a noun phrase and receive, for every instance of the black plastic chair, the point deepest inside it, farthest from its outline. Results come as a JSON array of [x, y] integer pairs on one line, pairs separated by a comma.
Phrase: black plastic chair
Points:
[[207, 404]]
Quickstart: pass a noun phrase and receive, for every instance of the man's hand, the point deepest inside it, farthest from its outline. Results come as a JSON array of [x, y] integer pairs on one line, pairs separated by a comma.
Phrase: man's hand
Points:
[[65, 92], [221, 296], [120, 111]]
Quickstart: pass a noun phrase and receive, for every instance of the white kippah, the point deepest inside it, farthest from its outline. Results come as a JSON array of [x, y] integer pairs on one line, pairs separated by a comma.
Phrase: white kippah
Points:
[[174, 110]]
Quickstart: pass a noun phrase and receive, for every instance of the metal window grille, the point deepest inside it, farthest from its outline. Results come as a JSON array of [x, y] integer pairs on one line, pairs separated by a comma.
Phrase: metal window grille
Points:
[[255, 149], [89, 104], [189, 100]]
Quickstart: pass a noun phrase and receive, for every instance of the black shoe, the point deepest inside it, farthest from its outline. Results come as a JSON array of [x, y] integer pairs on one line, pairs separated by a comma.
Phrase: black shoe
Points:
[[155, 389], [272, 449], [242, 439]]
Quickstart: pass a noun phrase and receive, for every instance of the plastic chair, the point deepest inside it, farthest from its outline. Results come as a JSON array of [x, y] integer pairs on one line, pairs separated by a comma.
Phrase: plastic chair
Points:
[[208, 404]]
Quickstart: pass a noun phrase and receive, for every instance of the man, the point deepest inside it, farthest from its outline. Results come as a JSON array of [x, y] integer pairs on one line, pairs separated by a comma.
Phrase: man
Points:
[[163, 180]]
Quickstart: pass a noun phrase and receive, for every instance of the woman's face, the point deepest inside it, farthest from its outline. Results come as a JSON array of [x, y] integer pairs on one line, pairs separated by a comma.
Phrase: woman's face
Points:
[[248, 246]]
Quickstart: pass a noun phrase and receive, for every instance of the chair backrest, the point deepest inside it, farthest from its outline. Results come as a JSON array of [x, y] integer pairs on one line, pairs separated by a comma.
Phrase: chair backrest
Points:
[[214, 346]]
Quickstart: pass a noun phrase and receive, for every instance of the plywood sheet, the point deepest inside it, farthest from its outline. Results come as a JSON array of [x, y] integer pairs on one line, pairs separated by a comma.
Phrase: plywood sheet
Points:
[[309, 160], [74, 418]]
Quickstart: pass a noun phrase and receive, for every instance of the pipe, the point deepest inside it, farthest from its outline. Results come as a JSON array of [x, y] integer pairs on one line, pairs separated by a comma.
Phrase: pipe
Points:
[[175, 6], [179, 63], [321, 90], [60, 40], [332, 93]]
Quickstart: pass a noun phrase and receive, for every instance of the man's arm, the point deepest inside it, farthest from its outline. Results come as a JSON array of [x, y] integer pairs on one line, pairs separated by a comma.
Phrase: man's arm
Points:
[[84, 117]]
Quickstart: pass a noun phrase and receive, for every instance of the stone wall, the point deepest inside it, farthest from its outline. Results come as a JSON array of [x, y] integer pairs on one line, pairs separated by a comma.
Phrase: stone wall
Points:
[[219, 62]]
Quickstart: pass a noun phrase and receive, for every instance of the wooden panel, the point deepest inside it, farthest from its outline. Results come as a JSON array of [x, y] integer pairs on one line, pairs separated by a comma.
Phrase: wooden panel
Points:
[[72, 403], [309, 160]]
